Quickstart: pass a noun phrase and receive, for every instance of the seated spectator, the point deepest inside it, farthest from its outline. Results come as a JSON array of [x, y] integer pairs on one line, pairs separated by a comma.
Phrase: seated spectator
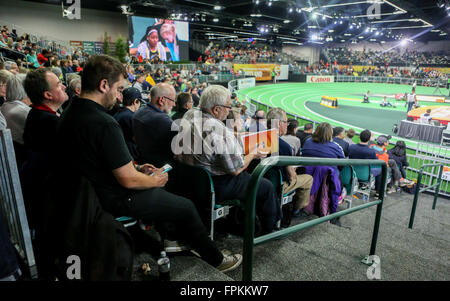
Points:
[[291, 138], [398, 153], [426, 117], [223, 155], [94, 142], [155, 145], [12, 67], [140, 78], [258, 122], [4, 77], [380, 149], [363, 151], [47, 94], [276, 118], [15, 110], [32, 58], [131, 102], [306, 133], [349, 137], [338, 137], [195, 96], [43, 57], [321, 144], [184, 103]]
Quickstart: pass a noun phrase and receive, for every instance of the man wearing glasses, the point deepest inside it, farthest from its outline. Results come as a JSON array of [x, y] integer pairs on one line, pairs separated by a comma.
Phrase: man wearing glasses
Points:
[[222, 154], [152, 126]]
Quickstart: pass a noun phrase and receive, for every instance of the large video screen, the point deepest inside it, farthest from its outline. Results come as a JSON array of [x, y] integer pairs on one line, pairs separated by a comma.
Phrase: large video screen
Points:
[[155, 39]]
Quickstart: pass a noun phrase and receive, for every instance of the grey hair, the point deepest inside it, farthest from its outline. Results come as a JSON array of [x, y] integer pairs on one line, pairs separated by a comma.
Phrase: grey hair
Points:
[[4, 76], [71, 76], [75, 83], [274, 114], [213, 96], [14, 88], [159, 90], [9, 64], [57, 71]]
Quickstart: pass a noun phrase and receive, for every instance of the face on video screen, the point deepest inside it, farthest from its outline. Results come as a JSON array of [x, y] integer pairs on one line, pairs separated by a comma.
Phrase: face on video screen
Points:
[[153, 39]]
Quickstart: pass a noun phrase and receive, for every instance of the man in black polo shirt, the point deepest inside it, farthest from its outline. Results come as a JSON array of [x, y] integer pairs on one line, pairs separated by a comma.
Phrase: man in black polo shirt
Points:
[[152, 126], [94, 141]]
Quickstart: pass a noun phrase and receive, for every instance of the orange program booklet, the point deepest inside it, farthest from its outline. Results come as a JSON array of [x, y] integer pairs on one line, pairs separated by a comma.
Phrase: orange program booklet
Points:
[[267, 140]]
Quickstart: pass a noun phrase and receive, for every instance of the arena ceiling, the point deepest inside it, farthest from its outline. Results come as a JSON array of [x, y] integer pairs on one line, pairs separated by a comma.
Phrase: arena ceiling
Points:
[[296, 21]]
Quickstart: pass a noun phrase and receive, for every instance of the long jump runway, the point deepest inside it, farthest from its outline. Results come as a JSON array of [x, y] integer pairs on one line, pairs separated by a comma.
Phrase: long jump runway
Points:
[[303, 99]]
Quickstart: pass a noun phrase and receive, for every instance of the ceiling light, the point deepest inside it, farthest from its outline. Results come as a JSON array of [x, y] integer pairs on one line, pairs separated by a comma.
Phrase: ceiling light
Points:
[[217, 7], [270, 3], [216, 19]]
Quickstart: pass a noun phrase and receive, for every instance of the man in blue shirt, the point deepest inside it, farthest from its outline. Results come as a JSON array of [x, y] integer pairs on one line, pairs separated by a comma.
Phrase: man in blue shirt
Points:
[[338, 137], [276, 118], [363, 151], [152, 126]]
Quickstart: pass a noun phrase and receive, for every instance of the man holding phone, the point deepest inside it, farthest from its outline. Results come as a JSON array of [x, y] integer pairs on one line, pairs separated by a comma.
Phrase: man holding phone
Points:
[[94, 142]]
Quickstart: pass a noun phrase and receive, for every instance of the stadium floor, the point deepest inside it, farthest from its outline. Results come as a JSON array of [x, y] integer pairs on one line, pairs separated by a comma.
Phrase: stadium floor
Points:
[[303, 99]]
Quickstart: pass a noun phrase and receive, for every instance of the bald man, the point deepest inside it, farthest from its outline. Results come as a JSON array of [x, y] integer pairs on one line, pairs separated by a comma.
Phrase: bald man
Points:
[[152, 126]]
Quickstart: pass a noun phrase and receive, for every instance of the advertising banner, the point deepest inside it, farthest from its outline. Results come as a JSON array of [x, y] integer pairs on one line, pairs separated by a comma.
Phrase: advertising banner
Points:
[[99, 47], [259, 71], [320, 79], [78, 44], [246, 83], [89, 47]]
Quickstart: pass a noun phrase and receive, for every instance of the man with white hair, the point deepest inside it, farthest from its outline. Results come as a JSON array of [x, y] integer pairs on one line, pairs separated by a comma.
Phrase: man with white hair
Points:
[[152, 126], [223, 155], [276, 118], [12, 67]]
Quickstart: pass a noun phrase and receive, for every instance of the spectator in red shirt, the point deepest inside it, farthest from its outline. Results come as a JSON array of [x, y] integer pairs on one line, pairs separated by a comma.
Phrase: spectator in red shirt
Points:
[[42, 57]]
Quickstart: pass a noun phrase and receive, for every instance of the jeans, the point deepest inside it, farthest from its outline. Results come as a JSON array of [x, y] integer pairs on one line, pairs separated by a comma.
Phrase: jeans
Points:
[[158, 205], [229, 187]]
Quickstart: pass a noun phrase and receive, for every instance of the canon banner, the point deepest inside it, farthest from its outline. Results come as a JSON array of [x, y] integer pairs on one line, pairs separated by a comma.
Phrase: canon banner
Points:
[[320, 79]]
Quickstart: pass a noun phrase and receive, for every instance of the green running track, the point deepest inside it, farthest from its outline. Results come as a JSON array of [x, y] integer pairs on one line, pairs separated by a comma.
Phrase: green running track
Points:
[[304, 99]]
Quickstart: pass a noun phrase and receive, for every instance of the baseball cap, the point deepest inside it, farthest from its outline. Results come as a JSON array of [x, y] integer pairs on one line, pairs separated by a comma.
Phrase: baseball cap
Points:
[[382, 139], [131, 94]]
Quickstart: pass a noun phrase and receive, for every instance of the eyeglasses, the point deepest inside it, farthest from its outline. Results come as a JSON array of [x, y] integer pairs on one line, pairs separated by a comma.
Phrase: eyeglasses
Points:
[[228, 107], [169, 98]]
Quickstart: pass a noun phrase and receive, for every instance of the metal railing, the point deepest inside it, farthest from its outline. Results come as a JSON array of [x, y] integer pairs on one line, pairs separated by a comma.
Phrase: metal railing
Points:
[[250, 200], [418, 190], [391, 80], [429, 154], [12, 203]]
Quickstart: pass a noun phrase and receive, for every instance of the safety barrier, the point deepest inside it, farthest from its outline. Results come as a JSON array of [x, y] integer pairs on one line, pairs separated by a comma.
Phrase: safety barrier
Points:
[[392, 80], [418, 190], [429, 154], [253, 185], [11, 201]]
